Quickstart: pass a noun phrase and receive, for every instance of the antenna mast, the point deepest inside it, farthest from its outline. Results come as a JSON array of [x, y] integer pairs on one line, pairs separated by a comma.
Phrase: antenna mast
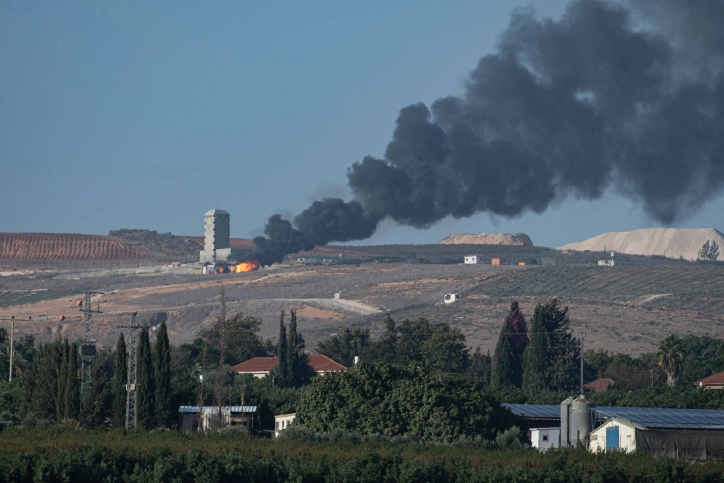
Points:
[[131, 393], [87, 348]]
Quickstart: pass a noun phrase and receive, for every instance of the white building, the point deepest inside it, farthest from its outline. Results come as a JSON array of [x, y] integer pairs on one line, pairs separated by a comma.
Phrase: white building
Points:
[[473, 259], [544, 438], [451, 297], [616, 434], [217, 241], [282, 421], [605, 263]]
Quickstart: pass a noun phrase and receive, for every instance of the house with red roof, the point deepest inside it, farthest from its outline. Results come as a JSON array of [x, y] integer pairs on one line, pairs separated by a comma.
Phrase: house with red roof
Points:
[[260, 366], [715, 381]]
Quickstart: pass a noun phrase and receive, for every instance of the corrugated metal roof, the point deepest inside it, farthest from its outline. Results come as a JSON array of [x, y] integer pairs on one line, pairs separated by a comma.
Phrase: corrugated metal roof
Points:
[[234, 409], [646, 417], [319, 362]]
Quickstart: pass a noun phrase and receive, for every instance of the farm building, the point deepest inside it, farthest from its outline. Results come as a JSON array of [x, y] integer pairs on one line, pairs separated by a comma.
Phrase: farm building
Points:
[[195, 418], [498, 261], [282, 421], [473, 259], [544, 438], [696, 434], [451, 297], [715, 381], [260, 367]]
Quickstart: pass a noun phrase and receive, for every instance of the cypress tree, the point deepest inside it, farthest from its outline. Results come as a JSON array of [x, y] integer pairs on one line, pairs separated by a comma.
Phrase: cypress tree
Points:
[[283, 366], [118, 385], [60, 405], [72, 385], [97, 404], [146, 409], [535, 360], [507, 360], [163, 377], [299, 369], [502, 363]]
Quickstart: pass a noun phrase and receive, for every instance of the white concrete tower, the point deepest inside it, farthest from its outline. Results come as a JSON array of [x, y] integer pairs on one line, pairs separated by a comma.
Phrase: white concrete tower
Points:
[[216, 236]]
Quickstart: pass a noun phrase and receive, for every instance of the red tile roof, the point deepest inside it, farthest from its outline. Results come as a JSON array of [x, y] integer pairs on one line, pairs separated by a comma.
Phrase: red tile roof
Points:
[[319, 363], [713, 380], [599, 385]]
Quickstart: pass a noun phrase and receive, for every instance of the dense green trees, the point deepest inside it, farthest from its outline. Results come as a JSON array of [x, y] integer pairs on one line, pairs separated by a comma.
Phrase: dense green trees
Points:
[[293, 369], [118, 384], [552, 356], [96, 407], [440, 346], [392, 400], [507, 362], [162, 366], [145, 382], [343, 347]]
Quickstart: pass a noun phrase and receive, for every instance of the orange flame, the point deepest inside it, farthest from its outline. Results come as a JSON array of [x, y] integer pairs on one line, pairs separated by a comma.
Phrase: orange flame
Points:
[[247, 266]]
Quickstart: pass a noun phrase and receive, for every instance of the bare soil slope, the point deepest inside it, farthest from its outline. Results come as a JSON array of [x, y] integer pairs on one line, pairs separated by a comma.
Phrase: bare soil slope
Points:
[[515, 239], [59, 246], [667, 242]]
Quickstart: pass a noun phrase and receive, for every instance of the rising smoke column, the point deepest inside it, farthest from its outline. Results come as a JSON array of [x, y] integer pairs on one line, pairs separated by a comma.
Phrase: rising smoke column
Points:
[[607, 97]]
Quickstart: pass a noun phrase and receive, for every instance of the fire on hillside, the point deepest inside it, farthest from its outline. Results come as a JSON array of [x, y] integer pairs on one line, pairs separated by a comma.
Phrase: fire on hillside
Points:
[[246, 266]]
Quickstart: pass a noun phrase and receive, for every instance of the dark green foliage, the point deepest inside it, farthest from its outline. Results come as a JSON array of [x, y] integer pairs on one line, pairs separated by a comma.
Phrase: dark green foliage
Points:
[[145, 387], [241, 339], [96, 408], [552, 357], [391, 400], [98, 456], [282, 372], [293, 369], [60, 406], [709, 252], [162, 363], [344, 346], [411, 337], [269, 398], [480, 367], [118, 384], [445, 350], [41, 388], [72, 383], [507, 363], [671, 358]]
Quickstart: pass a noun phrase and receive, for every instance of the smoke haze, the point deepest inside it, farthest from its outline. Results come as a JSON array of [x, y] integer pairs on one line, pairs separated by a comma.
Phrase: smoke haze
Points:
[[627, 98]]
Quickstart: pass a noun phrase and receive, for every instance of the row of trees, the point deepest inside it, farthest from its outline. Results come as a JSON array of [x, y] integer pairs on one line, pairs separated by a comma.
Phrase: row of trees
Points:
[[51, 384]]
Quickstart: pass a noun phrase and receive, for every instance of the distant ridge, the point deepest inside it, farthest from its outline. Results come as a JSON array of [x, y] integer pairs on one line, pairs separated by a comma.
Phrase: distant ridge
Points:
[[515, 239], [667, 242]]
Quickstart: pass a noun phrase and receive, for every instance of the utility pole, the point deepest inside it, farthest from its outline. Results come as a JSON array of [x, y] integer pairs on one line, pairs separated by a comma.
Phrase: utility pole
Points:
[[131, 393], [87, 348], [12, 339]]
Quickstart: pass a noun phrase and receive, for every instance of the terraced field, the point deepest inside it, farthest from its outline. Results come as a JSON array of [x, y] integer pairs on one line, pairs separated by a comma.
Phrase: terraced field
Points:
[[58, 246]]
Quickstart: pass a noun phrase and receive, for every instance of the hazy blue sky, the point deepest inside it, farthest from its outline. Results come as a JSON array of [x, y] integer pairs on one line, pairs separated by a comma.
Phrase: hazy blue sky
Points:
[[148, 114]]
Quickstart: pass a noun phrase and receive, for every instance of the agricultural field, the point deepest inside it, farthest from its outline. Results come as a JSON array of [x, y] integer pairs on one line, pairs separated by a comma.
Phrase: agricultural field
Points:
[[56, 246]]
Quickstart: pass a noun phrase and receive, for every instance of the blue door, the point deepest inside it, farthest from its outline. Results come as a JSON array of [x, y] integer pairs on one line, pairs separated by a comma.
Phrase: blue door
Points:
[[611, 438]]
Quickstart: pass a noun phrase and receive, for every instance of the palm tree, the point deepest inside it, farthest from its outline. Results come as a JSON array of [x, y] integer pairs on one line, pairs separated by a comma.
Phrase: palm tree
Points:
[[671, 359]]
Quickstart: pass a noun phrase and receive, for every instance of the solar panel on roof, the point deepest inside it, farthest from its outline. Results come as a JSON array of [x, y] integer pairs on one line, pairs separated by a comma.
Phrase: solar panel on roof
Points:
[[646, 417]]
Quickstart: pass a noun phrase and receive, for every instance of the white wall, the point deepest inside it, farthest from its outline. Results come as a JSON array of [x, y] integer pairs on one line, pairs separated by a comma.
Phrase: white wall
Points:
[[626, 437], [544, 438]]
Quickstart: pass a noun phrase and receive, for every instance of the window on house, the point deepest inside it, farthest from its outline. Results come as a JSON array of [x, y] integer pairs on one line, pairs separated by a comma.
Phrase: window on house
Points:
[[545, 437]]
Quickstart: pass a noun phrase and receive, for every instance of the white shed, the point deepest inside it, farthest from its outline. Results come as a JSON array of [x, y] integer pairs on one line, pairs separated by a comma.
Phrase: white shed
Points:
[[473, 259], [282, 421], [451, 297], [616, 434], [544, 438]]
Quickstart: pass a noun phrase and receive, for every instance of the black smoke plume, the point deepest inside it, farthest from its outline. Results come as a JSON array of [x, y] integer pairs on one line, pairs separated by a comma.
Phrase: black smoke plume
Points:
[[608, 97]]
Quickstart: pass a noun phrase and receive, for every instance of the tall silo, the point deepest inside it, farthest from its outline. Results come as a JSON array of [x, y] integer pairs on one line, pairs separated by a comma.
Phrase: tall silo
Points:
[[566, 422], [581, 422]]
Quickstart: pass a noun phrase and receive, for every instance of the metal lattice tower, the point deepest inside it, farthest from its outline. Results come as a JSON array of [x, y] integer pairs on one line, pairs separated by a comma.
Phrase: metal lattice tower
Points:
[[87, 348], [131, 393]]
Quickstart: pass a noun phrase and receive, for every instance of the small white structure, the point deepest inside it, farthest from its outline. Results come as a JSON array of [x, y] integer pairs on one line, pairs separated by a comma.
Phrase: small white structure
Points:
[[544, 438], [473, 259], [616, 434], [605, 263], [451, 297], [282, 421]]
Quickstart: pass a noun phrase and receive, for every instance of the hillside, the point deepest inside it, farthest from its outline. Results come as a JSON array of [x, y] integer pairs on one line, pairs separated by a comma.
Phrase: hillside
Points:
[[515, 239], [667, 242], [61, 246]]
